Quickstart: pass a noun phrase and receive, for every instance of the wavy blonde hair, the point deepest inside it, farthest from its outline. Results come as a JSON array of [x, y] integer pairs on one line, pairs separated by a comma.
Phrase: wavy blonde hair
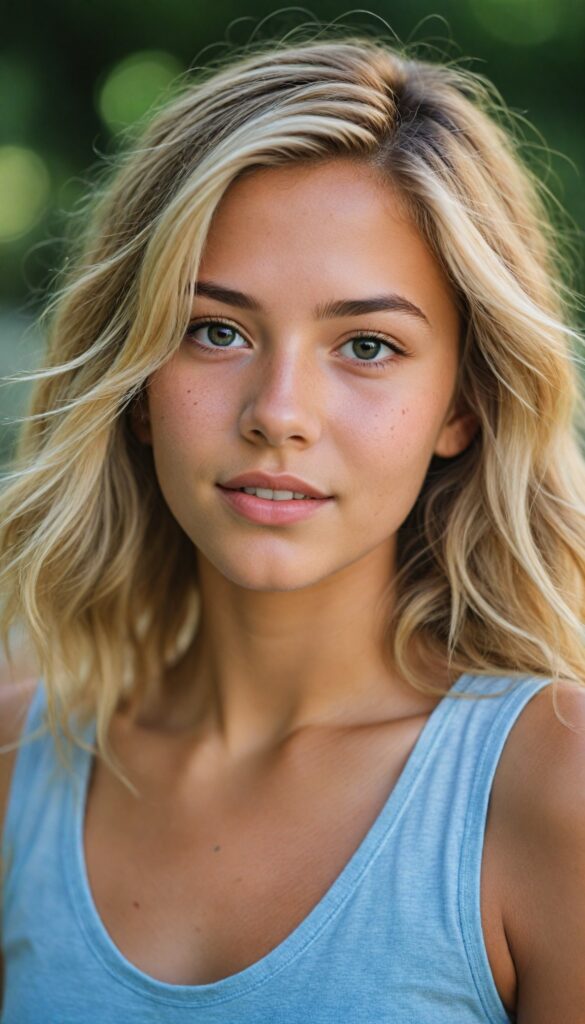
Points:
[[491, 559]]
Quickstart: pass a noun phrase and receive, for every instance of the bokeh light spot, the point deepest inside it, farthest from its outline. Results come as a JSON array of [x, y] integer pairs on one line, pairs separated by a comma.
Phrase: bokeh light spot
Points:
[[132, 86], [519, 22], [24, 190]]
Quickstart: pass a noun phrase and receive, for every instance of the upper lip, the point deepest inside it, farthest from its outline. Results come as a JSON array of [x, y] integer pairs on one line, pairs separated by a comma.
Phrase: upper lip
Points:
[[256, 478]]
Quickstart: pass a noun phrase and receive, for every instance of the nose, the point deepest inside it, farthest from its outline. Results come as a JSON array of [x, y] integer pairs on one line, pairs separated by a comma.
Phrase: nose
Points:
[[282, 399]]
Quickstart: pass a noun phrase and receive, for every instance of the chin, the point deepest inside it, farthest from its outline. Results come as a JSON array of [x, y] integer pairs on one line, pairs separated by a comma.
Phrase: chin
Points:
[[264, 575]]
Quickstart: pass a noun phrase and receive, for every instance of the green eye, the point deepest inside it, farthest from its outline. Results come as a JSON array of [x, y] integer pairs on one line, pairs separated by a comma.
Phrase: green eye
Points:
[[371, 345], [219, 334]]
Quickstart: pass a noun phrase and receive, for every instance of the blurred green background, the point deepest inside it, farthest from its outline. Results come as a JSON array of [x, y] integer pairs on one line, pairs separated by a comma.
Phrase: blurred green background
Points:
[[75, 74]]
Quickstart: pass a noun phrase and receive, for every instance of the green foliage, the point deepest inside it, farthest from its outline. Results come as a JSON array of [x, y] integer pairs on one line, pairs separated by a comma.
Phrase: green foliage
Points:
[[77, 76]]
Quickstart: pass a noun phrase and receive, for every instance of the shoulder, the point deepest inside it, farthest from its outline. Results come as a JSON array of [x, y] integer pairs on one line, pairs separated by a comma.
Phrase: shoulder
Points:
[[540, 795], [544, 757], [15, 699]]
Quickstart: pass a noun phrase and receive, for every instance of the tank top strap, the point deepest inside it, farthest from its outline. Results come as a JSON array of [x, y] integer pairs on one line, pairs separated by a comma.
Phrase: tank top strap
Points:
[[39, 779], [488, 727], [20, 815]]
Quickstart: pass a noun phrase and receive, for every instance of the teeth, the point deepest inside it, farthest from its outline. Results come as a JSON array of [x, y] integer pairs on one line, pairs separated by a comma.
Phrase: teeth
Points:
[[265, 492]]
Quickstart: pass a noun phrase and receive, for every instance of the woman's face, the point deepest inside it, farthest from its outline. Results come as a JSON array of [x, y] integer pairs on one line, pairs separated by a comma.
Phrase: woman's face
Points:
[[287, 386]]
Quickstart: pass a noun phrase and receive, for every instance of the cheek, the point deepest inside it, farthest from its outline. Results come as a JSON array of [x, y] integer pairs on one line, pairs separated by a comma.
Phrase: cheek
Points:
[[390, 451], [184, 414], [392, 442], [179, 426]]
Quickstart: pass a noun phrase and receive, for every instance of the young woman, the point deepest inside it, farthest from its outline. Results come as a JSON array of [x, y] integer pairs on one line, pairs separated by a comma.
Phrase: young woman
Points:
[[296, 530]]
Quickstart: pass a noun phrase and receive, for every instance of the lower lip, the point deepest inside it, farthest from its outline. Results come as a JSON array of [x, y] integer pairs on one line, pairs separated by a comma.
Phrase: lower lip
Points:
[[272, 513]]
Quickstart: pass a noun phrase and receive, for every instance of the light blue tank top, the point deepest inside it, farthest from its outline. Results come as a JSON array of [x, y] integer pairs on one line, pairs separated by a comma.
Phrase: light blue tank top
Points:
[[396, 939]]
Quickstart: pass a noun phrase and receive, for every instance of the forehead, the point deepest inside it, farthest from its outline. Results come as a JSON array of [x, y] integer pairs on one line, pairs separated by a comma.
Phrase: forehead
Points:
[[327, 230]]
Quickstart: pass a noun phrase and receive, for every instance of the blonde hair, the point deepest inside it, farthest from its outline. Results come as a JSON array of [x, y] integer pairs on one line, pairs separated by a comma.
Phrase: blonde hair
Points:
[[491, 566]]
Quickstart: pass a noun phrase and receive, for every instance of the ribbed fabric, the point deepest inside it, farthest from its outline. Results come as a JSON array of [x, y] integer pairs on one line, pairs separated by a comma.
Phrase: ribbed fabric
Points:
[[396, 939]]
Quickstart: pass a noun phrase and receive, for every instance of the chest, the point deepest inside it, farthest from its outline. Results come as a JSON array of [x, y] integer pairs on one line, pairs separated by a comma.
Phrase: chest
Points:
[[198, 885]]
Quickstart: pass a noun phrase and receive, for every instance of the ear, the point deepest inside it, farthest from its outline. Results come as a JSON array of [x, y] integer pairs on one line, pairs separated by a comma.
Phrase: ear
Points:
[[140, 420], [457, 432]]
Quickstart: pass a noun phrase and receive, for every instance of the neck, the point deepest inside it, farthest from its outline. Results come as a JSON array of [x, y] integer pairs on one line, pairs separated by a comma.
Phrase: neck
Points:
[[264, 665]]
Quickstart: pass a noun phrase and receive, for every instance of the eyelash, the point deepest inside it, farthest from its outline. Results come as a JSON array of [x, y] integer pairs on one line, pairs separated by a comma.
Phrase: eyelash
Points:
[[381, 364]]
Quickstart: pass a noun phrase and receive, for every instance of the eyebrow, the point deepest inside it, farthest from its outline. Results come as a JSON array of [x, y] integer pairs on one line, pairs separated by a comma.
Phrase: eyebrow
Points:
[[339, 307]]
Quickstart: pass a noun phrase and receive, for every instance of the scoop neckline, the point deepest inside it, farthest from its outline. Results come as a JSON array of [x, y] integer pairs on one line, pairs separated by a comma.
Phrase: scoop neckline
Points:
[[306, 932]]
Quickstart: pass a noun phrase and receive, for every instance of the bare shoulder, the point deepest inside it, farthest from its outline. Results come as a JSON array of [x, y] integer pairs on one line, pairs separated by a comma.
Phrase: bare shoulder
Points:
[[539, 791], [543, 762], [15, 699]]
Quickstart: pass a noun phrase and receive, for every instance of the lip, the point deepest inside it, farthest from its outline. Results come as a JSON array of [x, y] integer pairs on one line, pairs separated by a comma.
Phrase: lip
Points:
[[284, 482], [268, 512]]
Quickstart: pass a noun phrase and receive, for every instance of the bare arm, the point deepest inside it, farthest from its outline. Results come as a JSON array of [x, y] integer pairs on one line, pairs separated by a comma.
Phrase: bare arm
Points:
[[544, 781]]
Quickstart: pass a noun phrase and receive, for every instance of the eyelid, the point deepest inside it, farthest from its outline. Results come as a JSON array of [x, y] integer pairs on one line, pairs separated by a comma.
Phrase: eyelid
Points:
[[202, 321], [388, 339]]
